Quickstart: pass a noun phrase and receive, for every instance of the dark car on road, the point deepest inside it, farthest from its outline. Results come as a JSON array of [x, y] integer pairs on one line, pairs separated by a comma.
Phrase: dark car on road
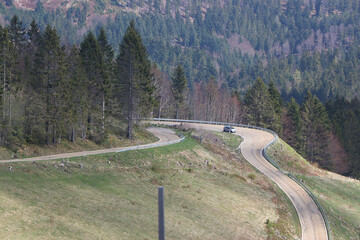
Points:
[[229, 129]]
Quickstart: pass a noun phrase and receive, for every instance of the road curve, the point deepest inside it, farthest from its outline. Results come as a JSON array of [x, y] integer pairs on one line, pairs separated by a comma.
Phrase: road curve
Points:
[[165, 135], [311, 220]]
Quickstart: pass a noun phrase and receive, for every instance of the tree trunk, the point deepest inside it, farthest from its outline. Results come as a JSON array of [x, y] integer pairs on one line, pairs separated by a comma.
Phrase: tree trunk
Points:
[[10, 103], [4, 85], [103, 115], [160, 107], [72, 138], [89, 123], [131, 102], [54, 135]]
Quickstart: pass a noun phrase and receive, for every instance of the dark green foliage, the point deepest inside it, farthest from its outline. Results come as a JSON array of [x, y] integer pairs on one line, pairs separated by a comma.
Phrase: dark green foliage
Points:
[[17, 33], [345, 116], [9, 3], [276, 98], [260, 108], [97, 83], [75, 96], [48, 81], [293, 127], [66, 95], [101, 90], [107, 54], [274, 29], [315, 131], [8, 83], [133, 79], [179, 88]]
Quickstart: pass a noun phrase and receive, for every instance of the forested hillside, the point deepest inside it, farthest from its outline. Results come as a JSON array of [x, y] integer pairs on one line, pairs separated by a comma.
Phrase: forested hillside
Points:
[[229, 40], [65, 69]]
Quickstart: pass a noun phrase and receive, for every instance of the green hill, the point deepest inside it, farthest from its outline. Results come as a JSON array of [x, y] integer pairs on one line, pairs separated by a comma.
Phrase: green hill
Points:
[[339, 196], [211, 192]]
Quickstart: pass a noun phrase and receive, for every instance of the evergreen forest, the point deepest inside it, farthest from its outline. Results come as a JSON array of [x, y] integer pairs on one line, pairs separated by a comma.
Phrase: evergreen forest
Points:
[[89, 70]]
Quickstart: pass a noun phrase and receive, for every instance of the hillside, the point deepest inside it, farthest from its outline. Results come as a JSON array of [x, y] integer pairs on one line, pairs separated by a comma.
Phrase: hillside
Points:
[[204, 39], [339, 196], [225, 39], [203, 180]]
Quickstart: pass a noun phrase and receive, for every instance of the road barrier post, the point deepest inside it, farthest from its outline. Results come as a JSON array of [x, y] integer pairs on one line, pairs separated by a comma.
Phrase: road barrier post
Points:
[[161, 213]]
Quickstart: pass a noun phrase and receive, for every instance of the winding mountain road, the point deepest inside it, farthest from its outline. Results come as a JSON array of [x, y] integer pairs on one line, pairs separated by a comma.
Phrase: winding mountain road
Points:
[[165, 136], [311, 220], [312, 223]]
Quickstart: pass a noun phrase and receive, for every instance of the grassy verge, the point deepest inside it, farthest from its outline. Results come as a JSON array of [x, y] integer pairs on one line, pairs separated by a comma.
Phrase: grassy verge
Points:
[[288, 159], [141, 137], [341, 202], [339, 196], [208, 195]]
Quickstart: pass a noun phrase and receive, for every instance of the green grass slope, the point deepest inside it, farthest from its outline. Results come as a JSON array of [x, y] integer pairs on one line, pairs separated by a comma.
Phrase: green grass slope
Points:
[[210, 193], [339, 196]]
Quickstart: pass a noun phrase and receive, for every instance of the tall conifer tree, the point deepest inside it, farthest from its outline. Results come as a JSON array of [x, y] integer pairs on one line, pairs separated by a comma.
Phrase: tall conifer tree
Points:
[[48, 82], [8, 76], [275, 97], [315, 130], [179, 88], [107, 54], [93, 63], [75, 95], [260, 107], [134, 81]]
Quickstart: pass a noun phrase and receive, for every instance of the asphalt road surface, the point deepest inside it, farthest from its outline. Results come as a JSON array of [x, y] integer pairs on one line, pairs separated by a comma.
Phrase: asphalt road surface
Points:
[[312, 223], [311, 220], [164, 135]]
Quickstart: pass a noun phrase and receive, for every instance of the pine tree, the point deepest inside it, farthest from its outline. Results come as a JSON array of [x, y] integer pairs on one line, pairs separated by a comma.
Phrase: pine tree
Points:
[[315, 129], [107, 54], [97, 80], [292, 129], [75, 95], [34, 33], [17, 33], [260, 107], [34, 37], [8, 76], [276, 98], [179, 89], [133, 80], [48, 82]]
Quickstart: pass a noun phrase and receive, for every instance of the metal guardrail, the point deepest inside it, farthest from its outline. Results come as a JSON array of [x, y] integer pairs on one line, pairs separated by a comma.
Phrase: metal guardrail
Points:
[[316, 202], [267, 157], [327, 225]]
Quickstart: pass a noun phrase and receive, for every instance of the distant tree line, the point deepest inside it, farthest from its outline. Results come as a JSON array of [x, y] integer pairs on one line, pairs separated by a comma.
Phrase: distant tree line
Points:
[[323, 34], [50, 92]]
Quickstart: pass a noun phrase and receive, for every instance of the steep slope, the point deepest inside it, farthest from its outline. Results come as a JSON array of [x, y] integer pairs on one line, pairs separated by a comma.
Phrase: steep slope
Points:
[[311, 220], [210, 193], [339, 195]]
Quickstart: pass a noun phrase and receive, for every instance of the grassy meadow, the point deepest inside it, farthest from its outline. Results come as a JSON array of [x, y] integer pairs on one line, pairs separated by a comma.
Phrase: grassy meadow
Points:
[[211, 192]]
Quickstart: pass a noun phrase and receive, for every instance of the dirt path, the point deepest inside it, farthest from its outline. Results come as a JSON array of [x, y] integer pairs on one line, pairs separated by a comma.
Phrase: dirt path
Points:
[[164, 135], [312, 223]]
